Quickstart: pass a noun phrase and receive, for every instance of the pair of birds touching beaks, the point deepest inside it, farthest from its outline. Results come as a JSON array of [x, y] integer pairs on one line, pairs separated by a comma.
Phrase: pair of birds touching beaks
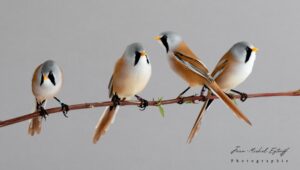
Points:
[[132, 73]]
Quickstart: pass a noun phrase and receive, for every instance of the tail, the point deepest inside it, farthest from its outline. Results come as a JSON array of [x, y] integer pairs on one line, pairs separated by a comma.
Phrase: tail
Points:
[[35, 126], [219, 92], [106, 119], [197, 123]]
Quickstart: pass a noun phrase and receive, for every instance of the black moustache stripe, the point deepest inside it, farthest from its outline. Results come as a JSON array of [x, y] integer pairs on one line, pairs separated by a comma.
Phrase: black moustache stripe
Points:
[[165, 43], [137, 58], [249, 51]]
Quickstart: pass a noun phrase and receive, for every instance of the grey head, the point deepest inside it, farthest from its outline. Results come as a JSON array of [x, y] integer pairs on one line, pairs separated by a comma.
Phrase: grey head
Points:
[[50, 70], [134, 52], [169, 39], [243, 51]]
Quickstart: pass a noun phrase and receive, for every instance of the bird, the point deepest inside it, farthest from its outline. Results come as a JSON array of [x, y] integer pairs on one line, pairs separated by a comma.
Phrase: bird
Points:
[[131, 74], [190, 68], [232, 69], [47, 81]]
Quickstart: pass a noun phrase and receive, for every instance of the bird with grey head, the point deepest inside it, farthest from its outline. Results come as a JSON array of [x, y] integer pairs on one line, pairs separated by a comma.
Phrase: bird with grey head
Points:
[[47, 81], [131, 74], [232, 69], [191, 69]]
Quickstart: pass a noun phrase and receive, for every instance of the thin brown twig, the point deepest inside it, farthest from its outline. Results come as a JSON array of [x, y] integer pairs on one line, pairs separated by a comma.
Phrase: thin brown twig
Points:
[[193, 99]]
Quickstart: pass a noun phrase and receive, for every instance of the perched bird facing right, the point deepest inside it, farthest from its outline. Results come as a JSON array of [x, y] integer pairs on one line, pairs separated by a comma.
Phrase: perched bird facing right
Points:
[[131, 74], [185, 63], [232, 69]]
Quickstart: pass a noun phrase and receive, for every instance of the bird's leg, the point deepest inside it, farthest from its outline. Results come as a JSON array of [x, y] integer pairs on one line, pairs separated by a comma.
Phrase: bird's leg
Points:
[[182, 93], [180, 101], [243, 97], [40, 108], [143, 104], [230, 95], [43, 102], [64, 107]]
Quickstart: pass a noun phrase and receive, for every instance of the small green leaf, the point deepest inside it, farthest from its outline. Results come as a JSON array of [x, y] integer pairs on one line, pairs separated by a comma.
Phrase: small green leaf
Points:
[[188, 102], [159, 100], [161, 110], [234, 101]]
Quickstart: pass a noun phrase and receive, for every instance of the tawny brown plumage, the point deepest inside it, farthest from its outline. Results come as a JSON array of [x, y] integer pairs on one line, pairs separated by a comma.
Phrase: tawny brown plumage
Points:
[[35, 123], [104, 122], [113, 86], [226, 68], [185, 63], [109, 113], [35, 126], [204, 79], [187, 74], [131, 74], [196, 127]]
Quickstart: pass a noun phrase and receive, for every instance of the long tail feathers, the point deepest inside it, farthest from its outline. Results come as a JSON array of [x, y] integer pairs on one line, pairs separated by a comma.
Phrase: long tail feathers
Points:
[[218, 91], [106, 119], [35, 126], [197, 123]]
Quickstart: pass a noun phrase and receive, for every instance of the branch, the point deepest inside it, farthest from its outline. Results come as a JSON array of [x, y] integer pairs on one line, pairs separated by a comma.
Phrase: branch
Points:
[[137, 103]]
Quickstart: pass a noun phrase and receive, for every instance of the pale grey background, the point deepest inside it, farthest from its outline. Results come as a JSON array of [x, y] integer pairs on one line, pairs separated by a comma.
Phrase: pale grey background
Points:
[[87, 37]]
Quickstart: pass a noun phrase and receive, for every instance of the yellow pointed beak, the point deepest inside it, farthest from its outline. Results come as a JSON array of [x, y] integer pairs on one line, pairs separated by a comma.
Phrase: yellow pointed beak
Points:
[[45, 77], [143, 53], [254, 49], [157, 38]]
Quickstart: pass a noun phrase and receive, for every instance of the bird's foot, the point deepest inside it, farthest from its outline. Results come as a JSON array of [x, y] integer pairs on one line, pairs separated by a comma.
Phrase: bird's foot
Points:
[[244, 97], [144, 103], [65, 108], [116, 100], [43, 113], [180, 100]]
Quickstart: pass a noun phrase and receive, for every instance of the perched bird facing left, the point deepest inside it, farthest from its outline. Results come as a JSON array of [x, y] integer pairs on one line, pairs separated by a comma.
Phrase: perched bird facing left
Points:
[[131, 74], [47, 81]]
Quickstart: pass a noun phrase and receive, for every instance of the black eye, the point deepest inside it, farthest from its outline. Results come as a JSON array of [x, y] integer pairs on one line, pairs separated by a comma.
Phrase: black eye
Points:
[[248, 49], [51, 77]]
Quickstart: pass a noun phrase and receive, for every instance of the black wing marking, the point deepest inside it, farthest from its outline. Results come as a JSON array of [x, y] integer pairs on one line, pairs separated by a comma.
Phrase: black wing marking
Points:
[[110, 87], [42, 79], [191, 66]]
